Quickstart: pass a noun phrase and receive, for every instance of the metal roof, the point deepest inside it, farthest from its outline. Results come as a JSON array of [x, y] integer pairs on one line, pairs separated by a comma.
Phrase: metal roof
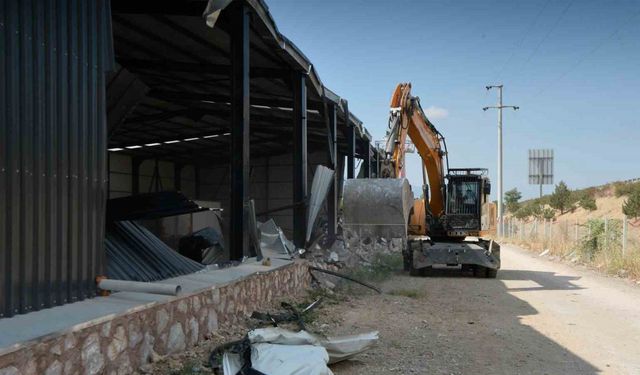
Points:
[[183, 114]]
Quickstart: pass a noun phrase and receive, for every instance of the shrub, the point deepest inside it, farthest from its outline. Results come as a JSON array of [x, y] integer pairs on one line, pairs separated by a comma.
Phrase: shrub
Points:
[[523, 212], [548, 213], [592, 243], [625, 188], [600, 239], [587, 202], [631, 206]]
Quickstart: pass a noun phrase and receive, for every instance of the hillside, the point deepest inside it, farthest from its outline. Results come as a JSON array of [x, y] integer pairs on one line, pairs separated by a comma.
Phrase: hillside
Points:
[[609, 200], [599, 237]]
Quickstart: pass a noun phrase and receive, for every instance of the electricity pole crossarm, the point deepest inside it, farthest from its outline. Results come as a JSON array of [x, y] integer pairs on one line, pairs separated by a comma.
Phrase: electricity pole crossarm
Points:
[[499, 107]]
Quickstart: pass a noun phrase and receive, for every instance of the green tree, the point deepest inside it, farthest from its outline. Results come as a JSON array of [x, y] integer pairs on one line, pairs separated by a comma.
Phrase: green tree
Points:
[[587, 202], [561, 198], [511, 200], [631, 206]]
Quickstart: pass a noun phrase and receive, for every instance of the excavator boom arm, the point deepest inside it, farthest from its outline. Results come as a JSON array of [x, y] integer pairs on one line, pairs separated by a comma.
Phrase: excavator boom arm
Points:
[[408, 119]]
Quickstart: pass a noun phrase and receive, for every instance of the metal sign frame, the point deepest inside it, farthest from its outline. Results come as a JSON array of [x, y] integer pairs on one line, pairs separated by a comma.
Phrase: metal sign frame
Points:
[[541, 167]]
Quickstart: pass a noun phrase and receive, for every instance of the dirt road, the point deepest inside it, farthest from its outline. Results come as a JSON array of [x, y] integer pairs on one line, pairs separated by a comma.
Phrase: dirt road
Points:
[[538, 317]]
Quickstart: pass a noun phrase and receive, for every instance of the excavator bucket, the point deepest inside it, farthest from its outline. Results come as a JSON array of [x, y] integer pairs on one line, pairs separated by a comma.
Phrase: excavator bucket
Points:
[[375, 209]]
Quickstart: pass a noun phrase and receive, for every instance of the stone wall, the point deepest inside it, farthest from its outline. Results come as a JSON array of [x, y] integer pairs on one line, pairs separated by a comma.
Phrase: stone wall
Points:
[[120, 344]]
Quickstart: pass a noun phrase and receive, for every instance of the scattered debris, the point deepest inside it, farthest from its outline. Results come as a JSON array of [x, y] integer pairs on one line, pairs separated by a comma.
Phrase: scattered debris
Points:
[[291, 315], [544, 253], [136, 286]]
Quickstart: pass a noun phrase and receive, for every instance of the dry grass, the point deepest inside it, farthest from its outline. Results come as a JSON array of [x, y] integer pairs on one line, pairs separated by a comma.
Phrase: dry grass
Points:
[[609, 260]]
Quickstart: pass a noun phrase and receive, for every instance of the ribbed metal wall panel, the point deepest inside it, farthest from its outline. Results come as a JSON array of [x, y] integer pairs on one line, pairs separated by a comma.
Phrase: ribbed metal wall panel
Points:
[[53, 180]]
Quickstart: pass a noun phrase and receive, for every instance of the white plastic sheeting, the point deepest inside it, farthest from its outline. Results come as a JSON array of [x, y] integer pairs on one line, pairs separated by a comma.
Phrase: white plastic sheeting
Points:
[[283, 352], [345, 347], [290, 359], [322, 180], [231, 363]]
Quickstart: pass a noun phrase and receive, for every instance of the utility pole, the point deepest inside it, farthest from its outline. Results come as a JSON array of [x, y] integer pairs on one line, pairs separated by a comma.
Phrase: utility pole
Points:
[[499, 107]]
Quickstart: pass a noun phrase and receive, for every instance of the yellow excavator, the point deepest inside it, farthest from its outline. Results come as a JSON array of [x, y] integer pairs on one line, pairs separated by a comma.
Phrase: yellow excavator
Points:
[[444, 226]]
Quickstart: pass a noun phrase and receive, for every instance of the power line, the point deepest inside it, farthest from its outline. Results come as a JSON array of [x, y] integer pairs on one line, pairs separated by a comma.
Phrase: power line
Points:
[[522, 38], [589, 53], [564, 11]]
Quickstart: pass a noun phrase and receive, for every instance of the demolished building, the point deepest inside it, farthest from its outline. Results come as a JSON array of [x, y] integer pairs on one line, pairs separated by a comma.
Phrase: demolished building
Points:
[[119, 99]]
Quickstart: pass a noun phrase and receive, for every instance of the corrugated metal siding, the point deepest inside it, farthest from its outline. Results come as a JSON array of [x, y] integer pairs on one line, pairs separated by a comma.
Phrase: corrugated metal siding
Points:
[[52, 150]]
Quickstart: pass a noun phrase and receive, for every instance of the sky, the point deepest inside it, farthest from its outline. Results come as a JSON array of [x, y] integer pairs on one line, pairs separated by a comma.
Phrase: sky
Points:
[[572, 66]]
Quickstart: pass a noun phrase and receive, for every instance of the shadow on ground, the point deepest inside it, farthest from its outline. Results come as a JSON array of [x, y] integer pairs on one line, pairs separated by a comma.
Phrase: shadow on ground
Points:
[[461, 325]]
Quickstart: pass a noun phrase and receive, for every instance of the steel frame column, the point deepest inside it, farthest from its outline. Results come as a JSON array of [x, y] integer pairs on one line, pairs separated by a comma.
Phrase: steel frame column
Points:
[[351, 142], [196, 177], [340, 172], [366, 161], [238, 241], [177, 173], [332, 197], [135, 175], [299, 158]]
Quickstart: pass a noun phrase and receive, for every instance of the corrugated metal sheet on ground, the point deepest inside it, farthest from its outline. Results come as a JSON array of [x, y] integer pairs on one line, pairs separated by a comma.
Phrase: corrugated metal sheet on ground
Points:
[[53, 59], [134, 253]]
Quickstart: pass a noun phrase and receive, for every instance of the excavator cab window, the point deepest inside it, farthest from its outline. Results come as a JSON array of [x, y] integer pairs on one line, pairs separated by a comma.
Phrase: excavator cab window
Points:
[[463, 196]]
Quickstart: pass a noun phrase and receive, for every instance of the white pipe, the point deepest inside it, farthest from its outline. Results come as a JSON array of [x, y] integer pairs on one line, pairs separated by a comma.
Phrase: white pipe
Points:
[[139, 287]]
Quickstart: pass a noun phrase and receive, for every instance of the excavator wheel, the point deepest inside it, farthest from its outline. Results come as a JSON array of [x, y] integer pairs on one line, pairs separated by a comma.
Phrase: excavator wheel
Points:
[[413, 246], [407, 257], [485, 272], [491, 273]]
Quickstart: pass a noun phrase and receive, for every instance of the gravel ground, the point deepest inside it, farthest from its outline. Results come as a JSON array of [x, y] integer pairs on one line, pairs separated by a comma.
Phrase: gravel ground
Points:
[[538, 317]]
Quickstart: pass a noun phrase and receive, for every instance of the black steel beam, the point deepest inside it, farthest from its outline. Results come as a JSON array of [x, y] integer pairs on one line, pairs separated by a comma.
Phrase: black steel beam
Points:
[[332, 197], [185, 96], [351, 142], [151, 139], [299, 158], [172, 7], [240, 16], [217, 69]]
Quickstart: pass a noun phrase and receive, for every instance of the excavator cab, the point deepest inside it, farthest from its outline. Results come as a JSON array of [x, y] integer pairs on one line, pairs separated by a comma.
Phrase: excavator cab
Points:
[[466, 192]]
